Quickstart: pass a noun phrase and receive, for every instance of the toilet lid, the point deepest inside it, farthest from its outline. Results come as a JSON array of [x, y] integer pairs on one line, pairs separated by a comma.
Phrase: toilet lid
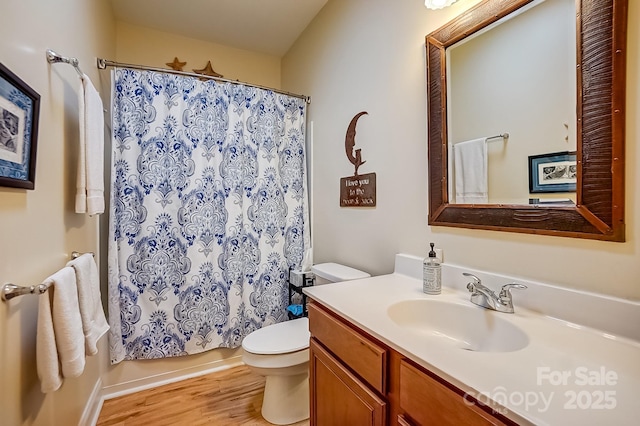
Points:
[[335, 272], [281, 338]]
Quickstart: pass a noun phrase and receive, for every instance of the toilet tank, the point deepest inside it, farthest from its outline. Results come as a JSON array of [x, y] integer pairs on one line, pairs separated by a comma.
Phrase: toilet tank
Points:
[[334, 272]]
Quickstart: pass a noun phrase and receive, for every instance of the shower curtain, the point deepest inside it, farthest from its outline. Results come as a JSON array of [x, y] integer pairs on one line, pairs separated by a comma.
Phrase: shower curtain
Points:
[[208, 212]]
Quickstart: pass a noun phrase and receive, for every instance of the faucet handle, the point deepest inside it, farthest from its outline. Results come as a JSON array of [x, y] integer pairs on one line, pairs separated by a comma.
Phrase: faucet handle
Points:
[[505, 293], [476, 281]]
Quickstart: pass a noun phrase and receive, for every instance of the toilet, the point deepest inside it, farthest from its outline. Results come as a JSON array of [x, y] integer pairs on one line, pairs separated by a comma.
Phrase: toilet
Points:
[[280, 352]]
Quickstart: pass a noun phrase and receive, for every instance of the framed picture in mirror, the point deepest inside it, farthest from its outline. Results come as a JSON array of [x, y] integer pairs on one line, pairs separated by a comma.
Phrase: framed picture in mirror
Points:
[[554, 172]]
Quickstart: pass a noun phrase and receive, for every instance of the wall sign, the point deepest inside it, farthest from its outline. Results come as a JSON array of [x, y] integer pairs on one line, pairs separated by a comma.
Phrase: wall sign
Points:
[[357, 190]]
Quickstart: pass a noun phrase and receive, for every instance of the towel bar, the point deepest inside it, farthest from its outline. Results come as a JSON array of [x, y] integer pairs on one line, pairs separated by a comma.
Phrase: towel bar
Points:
[[77, 254], [54, 58], [10, 290]]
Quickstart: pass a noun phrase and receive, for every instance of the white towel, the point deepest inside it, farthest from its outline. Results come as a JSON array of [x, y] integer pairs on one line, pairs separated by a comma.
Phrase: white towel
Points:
[[47, 362], [90, 178], [94, 323], [59, 338], [470, 169]]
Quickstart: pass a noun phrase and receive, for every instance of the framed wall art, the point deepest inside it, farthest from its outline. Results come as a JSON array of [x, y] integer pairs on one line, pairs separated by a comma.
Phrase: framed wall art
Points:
[[19, 111], [553, 172]]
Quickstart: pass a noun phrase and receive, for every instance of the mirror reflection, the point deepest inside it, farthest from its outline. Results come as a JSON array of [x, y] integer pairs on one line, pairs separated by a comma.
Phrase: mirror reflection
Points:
[[511, 109]]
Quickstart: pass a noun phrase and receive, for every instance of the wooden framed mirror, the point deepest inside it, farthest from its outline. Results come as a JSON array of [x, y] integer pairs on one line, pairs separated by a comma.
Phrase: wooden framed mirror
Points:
[[598, 213]]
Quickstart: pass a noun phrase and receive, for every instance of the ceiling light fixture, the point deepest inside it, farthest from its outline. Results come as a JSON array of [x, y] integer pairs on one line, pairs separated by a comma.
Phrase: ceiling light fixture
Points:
[[438, 4]]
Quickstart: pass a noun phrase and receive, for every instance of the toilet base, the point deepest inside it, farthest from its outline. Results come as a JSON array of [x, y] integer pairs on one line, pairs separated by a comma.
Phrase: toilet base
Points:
[[286, 399]]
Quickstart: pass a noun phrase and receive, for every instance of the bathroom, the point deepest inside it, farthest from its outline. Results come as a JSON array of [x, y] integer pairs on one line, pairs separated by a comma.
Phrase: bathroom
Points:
[[355, 55]]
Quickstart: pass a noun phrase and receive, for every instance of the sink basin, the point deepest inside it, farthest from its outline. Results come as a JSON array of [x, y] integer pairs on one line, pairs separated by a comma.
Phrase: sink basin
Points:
[[467, 327]]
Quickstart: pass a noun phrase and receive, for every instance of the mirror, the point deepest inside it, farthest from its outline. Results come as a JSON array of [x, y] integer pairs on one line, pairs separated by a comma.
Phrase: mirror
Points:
[[511, 78], [598, 212]]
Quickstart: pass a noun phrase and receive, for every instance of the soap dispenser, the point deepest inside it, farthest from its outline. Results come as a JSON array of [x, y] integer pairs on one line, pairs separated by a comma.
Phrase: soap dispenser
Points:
[[431, 273]]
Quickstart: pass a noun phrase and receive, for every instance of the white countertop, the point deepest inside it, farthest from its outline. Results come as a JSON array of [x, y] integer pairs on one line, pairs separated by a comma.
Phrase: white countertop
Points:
[[566, 375]]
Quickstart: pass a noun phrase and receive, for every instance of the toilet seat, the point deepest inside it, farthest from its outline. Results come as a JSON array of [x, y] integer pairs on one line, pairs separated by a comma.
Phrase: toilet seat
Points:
[[281, 338]]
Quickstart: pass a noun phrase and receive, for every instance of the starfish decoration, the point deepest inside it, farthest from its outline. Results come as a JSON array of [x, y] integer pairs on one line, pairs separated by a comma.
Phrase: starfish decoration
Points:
[[176, 65], [208, 70]]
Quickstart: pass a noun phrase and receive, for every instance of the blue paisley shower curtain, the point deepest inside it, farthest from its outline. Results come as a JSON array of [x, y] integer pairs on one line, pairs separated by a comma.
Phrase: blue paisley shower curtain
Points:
[[208, 212]]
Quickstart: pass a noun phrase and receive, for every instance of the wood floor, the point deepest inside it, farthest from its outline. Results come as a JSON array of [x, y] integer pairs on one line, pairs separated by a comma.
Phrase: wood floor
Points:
[[229, 397]]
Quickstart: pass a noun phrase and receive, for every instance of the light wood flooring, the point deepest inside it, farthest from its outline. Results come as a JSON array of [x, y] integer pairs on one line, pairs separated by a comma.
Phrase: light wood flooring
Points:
[[229, 397]]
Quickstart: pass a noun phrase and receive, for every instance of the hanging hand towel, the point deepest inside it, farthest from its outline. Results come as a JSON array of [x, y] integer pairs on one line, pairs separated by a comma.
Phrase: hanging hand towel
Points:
[[47, 362], [470, 170], [90, 179], [59, 338], [94, 323]]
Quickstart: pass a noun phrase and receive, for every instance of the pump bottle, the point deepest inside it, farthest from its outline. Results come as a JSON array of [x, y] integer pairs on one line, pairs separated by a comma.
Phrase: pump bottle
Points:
[[431, 274]]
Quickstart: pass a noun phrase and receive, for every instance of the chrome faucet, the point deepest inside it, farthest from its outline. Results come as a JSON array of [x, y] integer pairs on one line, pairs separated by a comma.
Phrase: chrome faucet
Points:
[[485, 297]]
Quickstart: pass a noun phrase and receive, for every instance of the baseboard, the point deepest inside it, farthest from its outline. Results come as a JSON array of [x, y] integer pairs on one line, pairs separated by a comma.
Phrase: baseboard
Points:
[[133, 386], [93, 406]]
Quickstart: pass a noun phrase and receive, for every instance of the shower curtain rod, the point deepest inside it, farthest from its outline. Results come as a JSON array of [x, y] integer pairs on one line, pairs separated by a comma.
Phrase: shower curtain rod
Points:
[[104, 63]]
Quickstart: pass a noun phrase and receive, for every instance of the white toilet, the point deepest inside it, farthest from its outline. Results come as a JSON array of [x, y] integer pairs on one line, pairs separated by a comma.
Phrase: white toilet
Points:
[[280, 352]]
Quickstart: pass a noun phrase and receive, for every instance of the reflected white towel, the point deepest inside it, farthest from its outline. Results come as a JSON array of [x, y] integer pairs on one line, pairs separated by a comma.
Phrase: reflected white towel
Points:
[[470, 169], [94, 323], [90, 178], [59, 338]]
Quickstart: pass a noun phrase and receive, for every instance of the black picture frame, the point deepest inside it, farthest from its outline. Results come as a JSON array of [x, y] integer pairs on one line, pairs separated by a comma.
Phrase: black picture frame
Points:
[[19, 115], [552, 172]]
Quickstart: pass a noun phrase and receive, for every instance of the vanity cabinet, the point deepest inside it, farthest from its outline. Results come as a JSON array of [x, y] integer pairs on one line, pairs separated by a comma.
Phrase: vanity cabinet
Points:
[[357, 380], [347, 373], [427, 400], [338, 397]]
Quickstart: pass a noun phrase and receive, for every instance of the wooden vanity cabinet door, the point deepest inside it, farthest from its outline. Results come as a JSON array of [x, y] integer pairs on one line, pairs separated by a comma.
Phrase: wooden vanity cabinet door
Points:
[[363, 356], [337, 396], [426, 401]]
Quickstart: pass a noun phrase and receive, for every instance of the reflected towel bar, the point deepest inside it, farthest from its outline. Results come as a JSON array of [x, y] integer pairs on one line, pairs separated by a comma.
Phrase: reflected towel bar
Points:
[[9, 290], [503, 136], [54, 58]]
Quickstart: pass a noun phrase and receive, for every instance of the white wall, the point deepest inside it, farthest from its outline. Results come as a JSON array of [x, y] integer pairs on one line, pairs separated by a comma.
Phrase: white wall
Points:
[[369, 55], [39, 228], [146, 46]]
